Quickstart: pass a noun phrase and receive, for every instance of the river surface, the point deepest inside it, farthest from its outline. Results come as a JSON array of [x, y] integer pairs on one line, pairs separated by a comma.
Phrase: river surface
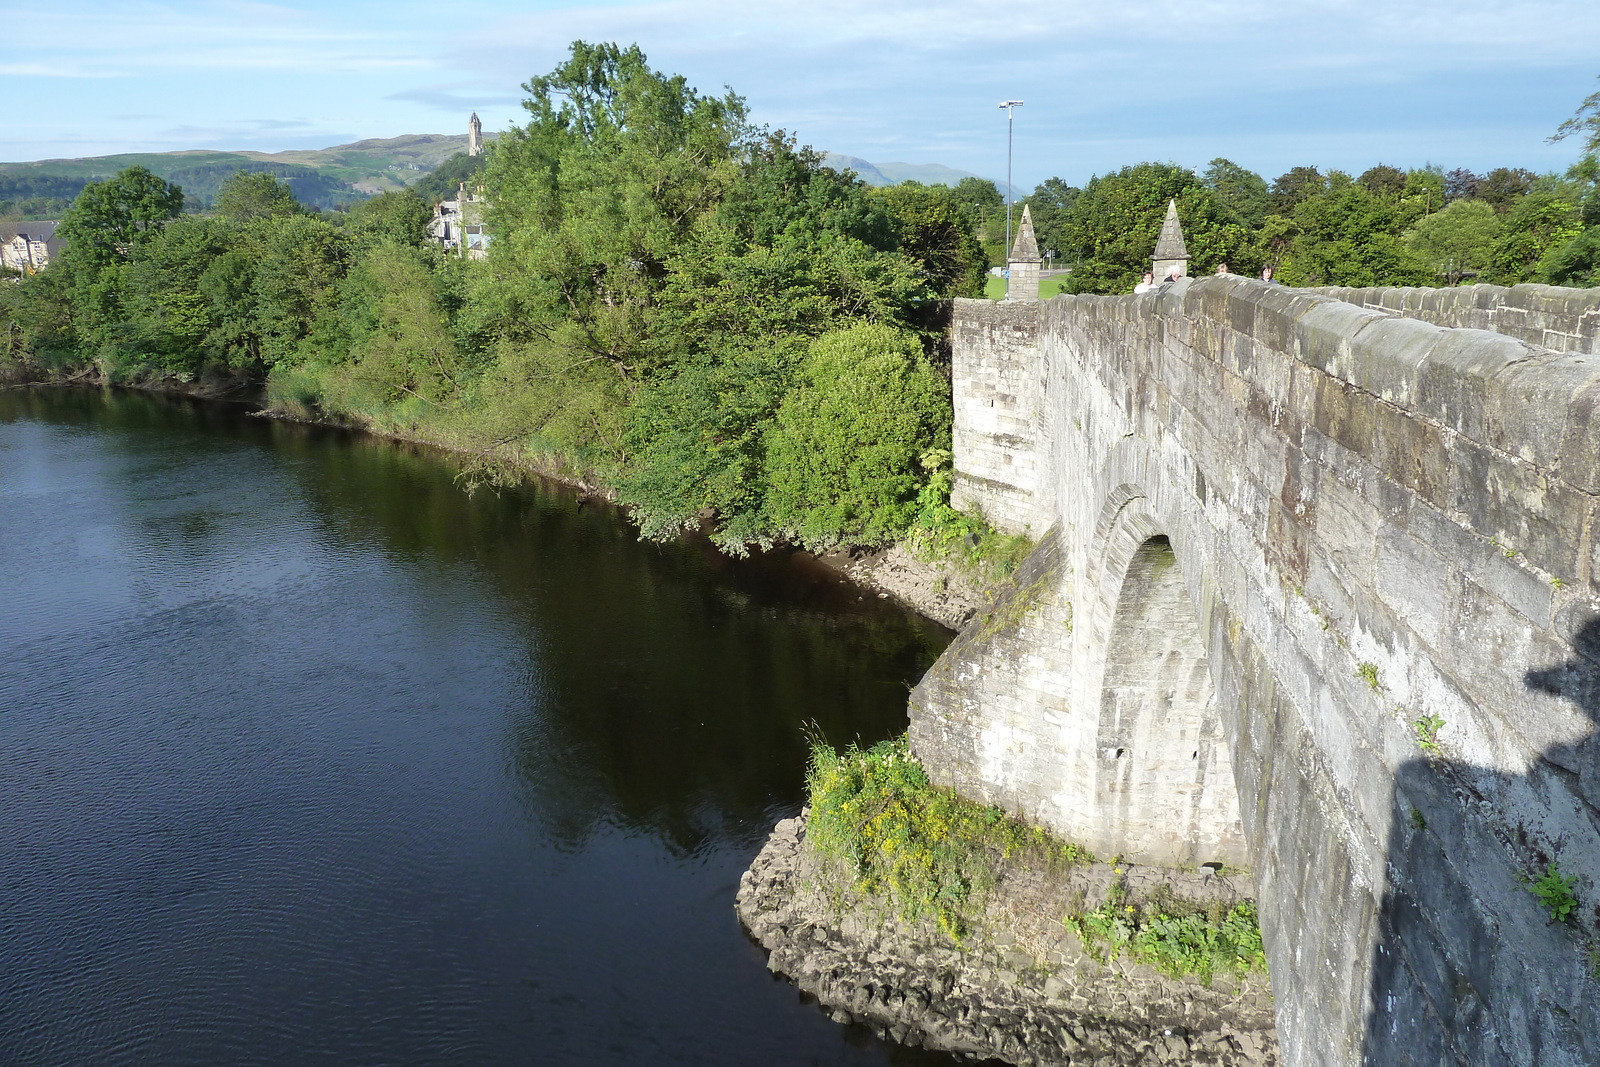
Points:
[[306, 757]]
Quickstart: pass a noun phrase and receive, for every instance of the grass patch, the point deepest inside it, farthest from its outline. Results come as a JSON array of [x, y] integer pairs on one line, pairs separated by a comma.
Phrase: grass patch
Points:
[[929, 853], [995, 288], [1175, 937]]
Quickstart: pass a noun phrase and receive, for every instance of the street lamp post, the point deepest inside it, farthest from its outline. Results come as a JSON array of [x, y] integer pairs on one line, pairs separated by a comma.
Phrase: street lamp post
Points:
[[1010, 106]]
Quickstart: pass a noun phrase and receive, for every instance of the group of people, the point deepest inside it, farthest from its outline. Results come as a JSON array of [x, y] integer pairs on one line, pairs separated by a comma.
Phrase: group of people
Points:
[[1148, 282]]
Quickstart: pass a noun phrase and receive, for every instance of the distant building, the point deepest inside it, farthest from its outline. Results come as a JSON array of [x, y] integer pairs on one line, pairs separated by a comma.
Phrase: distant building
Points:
[[474, 136], [458, 225], [32, 248]]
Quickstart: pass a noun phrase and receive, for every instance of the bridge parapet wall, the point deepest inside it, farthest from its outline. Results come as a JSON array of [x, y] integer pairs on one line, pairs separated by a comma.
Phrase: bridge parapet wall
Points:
[[1377, 521], [1560, 319], [996, 387]]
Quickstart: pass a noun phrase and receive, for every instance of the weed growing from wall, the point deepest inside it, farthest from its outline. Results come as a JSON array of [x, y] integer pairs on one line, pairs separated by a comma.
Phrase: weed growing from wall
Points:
[[1368, 672], [1427, 730], [1555, 892], [940, 532], [930, 853]]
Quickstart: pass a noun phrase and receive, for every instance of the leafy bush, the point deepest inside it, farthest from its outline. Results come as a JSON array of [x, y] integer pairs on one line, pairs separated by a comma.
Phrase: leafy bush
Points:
[[1175, 937], [842, 457], [930, 852]]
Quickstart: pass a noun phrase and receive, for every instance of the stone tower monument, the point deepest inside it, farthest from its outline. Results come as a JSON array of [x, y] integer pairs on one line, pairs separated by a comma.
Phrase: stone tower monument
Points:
[[474, 136], [1170, 250], [1023, 262]]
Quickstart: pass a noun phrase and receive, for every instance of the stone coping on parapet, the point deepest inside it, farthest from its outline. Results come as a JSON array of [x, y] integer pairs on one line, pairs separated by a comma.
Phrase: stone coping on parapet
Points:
[[1532, 403], [1554, 317], [1019, 989]]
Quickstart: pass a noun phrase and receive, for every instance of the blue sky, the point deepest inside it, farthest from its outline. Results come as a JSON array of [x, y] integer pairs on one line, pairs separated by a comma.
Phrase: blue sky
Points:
[[1267, 83]]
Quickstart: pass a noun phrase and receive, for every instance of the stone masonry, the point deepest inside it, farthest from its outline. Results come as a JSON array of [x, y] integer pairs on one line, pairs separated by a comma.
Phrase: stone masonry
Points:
[[1317, 591]]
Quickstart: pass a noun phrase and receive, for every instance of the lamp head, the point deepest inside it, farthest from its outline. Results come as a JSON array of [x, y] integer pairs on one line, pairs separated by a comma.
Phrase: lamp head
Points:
[[1010, 103]]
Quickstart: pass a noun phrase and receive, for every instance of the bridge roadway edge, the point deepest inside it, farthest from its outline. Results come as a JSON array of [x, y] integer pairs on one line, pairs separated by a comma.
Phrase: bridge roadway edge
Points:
[[1376, 520]]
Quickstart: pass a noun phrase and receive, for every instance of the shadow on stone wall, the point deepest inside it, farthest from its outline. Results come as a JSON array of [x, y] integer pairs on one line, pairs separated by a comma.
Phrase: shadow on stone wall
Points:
[[1450, 981]]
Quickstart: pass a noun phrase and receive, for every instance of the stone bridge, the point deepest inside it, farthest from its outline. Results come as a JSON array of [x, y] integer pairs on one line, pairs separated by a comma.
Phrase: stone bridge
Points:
[[1316, 594]]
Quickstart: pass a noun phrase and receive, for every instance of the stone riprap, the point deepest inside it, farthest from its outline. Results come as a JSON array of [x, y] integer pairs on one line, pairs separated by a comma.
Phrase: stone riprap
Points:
[[1553, 317], [1316, 592], [1019, 989]]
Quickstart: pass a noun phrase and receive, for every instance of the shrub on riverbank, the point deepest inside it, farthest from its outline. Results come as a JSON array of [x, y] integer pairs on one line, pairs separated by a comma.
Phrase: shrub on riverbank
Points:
[[929, 852], [1175, 937]]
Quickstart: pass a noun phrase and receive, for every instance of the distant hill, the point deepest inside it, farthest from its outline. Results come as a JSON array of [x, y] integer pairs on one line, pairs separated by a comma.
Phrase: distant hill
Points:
[[321, 179], [895, 173]]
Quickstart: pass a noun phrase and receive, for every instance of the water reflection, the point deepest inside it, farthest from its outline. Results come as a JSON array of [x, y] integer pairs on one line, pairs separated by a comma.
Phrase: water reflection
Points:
[[311, 759]]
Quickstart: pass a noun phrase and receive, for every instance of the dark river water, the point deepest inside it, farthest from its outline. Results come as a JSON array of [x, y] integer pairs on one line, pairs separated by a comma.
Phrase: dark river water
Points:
[[308, 758]]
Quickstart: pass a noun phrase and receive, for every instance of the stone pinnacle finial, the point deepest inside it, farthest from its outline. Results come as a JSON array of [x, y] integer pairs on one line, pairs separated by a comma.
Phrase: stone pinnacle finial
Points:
[[1170, 249], [1022, 265], [1025, 249]]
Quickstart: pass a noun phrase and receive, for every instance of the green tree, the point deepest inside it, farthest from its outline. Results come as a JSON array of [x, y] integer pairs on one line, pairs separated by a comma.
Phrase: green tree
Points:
[[1541, 222], [937, 237], [1584, 124], [1457, 241], [842, 457], [1050, 203], [1112, 228], [1294, 186], [110, 219], [1503, 187], [106, 225], [1242, 193], [599, 191], [251, 195], [1346, 235], [1383, 181], [398, 216]]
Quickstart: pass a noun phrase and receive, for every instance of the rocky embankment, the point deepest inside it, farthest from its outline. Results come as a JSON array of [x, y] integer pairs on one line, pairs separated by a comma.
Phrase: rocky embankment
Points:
[[1020, 988]]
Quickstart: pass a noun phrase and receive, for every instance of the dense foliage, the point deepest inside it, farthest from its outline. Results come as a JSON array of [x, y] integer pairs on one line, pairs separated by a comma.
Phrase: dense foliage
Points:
[[1385, 226], [695, 312], [678, 305]]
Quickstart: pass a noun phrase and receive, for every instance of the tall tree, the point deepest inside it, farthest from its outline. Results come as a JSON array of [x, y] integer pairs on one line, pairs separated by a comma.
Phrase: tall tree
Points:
[[1584, 124], [251, 195], [936, 235], [1050, 204], [1241, 192], [1457, 241], [110, 219]]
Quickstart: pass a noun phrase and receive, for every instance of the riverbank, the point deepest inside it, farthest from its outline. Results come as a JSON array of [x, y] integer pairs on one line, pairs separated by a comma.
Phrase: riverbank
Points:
[[1019, 987], [938, 590]]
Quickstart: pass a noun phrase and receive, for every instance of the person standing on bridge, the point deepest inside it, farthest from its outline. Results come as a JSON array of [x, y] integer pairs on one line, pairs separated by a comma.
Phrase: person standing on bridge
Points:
[[1266, 275], [1147, 283]]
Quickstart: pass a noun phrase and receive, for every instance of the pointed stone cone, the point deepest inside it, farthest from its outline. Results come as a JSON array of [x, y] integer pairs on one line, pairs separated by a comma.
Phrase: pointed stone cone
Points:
[[1170, 249], [1025, 249]]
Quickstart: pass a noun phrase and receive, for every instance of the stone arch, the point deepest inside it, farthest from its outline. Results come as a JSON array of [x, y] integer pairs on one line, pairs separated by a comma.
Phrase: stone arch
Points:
[[1163, 770]]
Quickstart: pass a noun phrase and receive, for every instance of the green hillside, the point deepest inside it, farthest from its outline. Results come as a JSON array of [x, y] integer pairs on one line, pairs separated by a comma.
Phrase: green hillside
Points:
[[321, 179]]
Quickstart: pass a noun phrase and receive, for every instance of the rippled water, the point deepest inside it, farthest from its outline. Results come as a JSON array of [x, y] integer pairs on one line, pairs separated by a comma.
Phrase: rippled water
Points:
[[307, 758]]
